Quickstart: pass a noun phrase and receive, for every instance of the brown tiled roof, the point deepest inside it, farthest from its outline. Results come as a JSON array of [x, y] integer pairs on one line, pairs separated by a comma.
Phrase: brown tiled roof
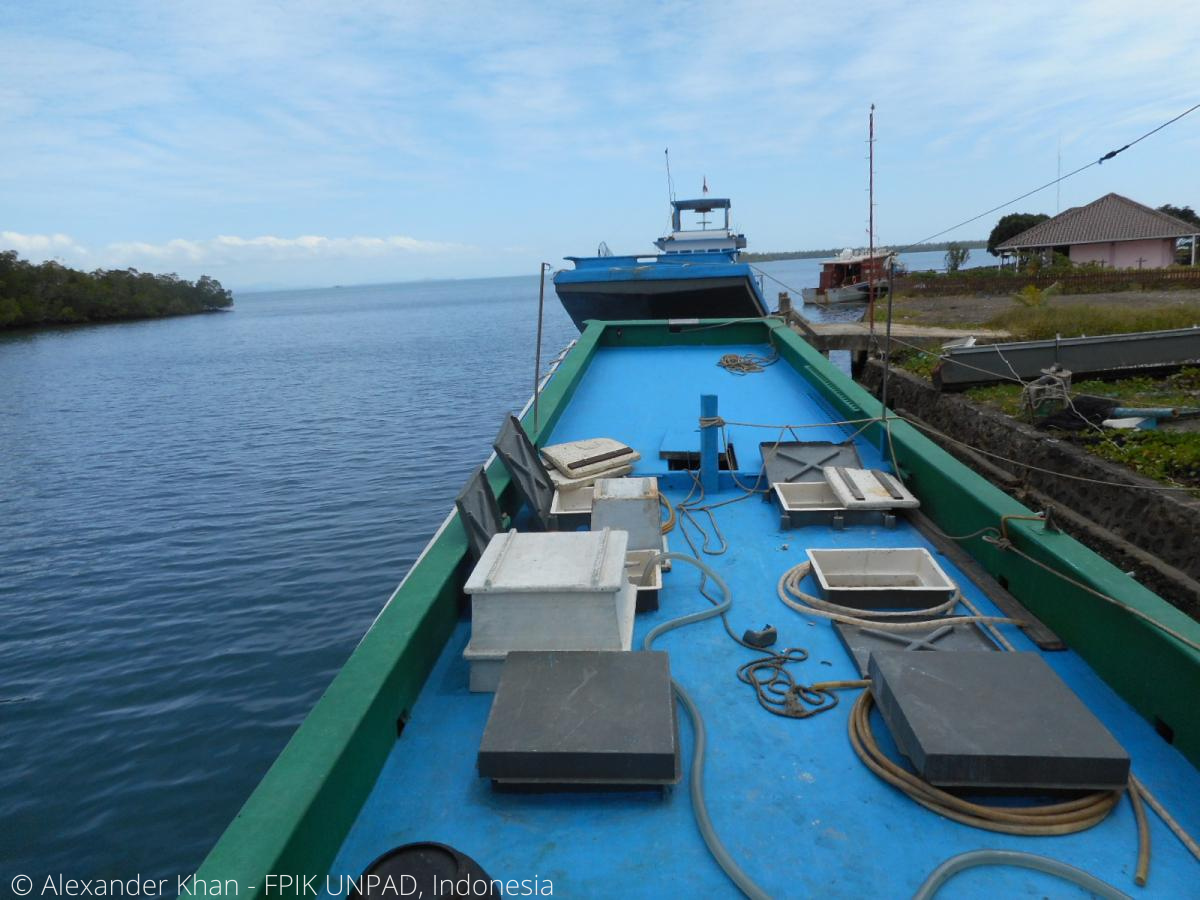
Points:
[[1111, 218]]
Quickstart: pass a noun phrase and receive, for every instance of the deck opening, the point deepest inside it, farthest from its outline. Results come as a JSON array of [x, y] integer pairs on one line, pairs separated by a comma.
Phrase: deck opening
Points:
[[1165, 731], [1002, 581], [685, 460]]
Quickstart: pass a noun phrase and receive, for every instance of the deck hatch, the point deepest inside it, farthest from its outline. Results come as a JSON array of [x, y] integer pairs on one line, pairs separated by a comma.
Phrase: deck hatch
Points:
[[1002, 720], [860, 642], [576, 718], [791, 461]]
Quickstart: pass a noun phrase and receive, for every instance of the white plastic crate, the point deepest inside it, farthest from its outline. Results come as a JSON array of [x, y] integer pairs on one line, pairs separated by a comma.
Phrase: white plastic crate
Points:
[[631, 505], [548, 591], [881, 577]]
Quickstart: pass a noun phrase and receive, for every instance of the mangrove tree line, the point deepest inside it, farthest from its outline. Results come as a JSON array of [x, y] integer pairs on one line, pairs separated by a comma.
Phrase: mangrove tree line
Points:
[[51, 294]]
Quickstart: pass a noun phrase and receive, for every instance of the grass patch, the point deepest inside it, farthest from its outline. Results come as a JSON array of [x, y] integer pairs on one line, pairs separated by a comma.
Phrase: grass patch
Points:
[[1044, 322], [1005, 397], [916, 361], [1180, 389], [1170, 456]]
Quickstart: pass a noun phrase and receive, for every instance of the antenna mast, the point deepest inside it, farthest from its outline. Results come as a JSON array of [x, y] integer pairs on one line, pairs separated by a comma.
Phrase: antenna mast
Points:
[[871, 218]]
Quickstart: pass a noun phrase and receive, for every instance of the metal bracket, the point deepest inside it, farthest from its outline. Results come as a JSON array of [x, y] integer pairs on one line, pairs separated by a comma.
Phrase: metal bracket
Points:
[[529, 474], [479, 512]]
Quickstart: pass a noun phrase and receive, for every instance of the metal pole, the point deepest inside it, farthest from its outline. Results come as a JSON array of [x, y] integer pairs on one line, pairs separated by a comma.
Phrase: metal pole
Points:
[[871, 219], [709, 466], [887, 360], [537, 356]]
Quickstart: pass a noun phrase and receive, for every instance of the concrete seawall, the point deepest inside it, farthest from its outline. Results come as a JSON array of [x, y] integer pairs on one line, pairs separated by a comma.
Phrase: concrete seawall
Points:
[[1153, 534]]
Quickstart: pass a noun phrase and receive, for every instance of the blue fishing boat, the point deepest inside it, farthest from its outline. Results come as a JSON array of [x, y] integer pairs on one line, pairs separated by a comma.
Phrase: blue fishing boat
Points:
[[697, 275], [1007, 698]]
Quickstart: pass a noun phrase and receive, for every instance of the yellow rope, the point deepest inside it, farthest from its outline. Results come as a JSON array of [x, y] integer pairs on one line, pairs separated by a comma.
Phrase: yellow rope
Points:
[[666, 504]]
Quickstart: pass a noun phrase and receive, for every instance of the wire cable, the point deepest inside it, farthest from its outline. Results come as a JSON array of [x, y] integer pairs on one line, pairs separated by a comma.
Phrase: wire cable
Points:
[[788, 590], [696, 780], [1064, 817], [974, 858], [1015, 462], [1153, 802], [1132, 610], [1049, 184]]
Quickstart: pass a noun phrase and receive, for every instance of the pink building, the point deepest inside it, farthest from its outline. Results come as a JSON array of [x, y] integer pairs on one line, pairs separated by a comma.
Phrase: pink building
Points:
[[1113, 231]]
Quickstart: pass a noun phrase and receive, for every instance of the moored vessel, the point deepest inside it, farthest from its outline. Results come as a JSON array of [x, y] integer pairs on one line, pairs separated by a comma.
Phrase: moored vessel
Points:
[[851, 278], [697, 275]]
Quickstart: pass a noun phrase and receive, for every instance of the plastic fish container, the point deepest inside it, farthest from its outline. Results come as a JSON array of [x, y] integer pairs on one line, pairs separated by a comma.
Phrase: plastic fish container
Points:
[[881, 577], [631, 505], [647, 584], [549, 591], [814, 503], [572, 507]]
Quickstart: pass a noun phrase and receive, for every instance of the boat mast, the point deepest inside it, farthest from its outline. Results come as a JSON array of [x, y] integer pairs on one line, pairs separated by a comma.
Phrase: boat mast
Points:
[[871, 218]]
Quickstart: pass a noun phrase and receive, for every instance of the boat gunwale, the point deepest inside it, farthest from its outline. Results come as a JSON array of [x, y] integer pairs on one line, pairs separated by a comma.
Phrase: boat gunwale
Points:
[[296, 819]]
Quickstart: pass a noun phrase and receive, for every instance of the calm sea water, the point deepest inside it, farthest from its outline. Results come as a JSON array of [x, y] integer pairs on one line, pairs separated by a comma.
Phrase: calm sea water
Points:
[[199, 518]]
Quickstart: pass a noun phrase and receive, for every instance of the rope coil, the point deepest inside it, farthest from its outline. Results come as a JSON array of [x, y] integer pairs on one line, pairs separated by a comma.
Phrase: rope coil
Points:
[[745, 364]]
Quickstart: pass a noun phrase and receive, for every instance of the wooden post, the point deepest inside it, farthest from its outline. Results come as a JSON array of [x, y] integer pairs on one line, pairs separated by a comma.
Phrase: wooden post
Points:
[[537, 353], [858, 362]]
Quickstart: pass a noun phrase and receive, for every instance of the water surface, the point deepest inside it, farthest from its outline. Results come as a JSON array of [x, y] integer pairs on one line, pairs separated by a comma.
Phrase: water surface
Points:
[[199, 518]]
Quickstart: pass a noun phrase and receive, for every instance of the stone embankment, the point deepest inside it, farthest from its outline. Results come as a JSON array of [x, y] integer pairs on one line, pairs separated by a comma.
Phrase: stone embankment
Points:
[[1155, 535]]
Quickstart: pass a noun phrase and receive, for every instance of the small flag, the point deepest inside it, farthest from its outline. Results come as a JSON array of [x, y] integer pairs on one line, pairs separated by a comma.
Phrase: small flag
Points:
[[706, 184]]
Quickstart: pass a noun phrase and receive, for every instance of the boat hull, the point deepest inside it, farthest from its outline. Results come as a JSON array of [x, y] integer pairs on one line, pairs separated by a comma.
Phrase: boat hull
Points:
[[855, 293], [309, 807], [730, 297]]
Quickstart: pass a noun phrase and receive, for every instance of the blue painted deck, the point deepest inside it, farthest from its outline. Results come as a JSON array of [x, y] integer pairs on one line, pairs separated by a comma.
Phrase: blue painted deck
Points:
[[790, 799]]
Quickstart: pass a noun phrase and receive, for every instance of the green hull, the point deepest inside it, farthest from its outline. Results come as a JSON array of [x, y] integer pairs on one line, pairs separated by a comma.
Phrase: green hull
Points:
[[297, 818]]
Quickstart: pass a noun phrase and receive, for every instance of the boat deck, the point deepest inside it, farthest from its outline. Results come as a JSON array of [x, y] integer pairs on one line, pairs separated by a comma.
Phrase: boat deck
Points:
[[793, 804]]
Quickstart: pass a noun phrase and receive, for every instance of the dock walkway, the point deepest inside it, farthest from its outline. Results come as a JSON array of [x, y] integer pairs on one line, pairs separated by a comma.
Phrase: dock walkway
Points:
[[857, 337]]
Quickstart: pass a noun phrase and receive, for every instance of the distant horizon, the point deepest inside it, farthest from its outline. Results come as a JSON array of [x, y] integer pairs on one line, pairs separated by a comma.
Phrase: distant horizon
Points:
[[532, 276]]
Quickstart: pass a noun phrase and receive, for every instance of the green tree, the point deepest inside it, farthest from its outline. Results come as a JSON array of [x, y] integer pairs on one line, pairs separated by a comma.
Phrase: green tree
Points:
[[956, 255], [1183, 213], [49, 293], [1010, 226], [1183, 252]]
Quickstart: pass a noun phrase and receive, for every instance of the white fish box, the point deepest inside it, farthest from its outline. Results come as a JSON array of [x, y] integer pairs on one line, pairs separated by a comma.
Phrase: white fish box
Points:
[[563, 483], [631, 505], [815, 503], [594, 456], [572, 507], [868, 489], [549, 591], [486, 664], [646, 583], [881, 577]]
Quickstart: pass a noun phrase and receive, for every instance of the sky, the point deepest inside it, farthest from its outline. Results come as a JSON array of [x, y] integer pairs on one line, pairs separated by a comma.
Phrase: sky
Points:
[[296, 144]]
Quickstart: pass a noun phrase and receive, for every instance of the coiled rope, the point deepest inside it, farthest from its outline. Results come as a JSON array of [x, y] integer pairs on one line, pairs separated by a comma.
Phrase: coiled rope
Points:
[[744, 364], [1066, 817], [788, 589]]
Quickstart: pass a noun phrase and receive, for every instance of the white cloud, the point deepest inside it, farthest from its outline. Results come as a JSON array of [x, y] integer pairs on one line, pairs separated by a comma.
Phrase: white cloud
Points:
[[491, 122], [41, 246], [222, 250]]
